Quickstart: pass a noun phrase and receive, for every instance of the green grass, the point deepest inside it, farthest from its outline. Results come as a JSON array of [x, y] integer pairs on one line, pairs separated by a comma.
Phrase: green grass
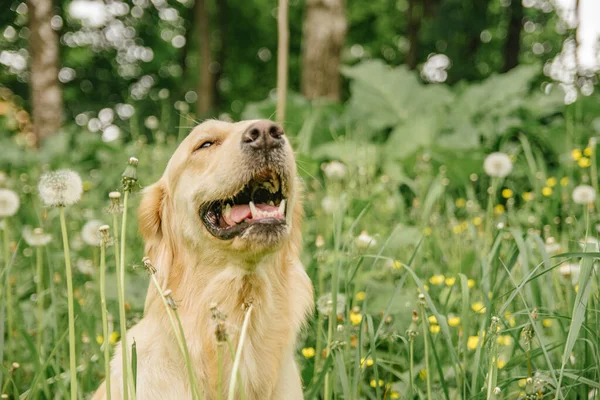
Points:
[[493, 305]]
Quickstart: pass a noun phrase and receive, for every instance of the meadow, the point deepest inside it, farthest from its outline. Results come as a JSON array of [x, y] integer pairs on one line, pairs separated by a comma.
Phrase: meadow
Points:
[[461, 267]]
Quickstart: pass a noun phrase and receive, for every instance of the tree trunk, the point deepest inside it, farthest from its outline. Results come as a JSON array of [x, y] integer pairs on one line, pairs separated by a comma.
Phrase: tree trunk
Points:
[[512, 47], [283, 42], [324, 34], [205, 103], [45, 88], [414, 26]]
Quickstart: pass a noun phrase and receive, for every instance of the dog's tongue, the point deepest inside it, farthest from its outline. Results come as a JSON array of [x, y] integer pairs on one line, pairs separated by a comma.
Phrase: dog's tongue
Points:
[[241, 212]]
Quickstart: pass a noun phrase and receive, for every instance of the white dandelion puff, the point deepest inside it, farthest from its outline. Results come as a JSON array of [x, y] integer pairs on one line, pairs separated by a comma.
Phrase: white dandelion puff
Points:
[[584, 194], [90, 232], [60, 188], [86, 267], [570, 271], [364, 241], [9, 203], [36, 237], [497, 165], [325, 304], [335, 170]]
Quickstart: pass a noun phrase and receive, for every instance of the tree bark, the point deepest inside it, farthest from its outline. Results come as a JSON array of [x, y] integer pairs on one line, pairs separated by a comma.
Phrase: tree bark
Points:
[[512, 46], [45, 88], [325, 27], [283, 41], [205, 88]]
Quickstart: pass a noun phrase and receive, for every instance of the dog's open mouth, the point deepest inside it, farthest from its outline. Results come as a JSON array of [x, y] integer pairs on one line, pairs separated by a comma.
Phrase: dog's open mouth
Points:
[[260, 202]]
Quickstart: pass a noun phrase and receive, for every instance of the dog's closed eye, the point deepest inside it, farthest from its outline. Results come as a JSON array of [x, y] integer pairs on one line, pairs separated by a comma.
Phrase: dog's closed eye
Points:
[[205, 145]]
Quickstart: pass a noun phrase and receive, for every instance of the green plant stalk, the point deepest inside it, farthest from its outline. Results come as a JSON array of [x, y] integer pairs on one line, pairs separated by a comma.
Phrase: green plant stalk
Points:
[[71, 307], [492, 371], [40, 301], [128, 386], [180, 337], [5, 251], [426, 342], [104, 317], [319, 338], [411, 369], [238, 354]]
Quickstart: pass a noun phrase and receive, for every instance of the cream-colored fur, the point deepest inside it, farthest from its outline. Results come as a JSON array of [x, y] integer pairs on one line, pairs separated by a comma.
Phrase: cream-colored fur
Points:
[[202, 270]]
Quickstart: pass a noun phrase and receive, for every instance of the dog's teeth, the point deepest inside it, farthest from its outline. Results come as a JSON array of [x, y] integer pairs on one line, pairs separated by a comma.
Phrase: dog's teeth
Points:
[[227, 211], [275, 185], [253, 210], [271, 203], [282, 207]]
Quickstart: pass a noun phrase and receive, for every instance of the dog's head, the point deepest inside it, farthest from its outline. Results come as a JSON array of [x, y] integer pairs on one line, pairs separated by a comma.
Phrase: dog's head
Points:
[[229, 188]]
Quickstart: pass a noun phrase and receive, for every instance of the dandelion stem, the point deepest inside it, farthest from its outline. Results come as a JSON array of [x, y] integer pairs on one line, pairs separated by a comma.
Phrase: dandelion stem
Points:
[[426, 342], [238, 354], [104, 317], [121, 296], [71, 307], [40, 301], [411, 373]]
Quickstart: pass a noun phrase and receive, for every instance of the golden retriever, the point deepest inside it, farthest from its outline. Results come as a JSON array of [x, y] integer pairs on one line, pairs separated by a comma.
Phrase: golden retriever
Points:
[[222, 227]]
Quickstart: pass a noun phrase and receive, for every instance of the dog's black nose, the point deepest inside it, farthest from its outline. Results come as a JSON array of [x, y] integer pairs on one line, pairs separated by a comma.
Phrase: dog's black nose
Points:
[[263, 135]]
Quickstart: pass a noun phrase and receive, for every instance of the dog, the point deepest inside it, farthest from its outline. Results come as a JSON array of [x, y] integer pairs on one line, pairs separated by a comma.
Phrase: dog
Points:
[[222, 226]]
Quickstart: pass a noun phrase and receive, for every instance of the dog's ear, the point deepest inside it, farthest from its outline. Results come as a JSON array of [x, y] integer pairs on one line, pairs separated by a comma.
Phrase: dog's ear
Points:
[[150, 212]]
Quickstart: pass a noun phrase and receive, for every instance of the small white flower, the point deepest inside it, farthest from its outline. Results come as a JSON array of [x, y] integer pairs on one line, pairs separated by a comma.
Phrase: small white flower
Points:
[[60, 188], [90, 234], [589, 244], [335, 170], [364, 241], [497, 165], [329, 205], [325, 304], [36, 237], [570, 271], [84, 266], [584, 194], [9, 203], [552, 247]]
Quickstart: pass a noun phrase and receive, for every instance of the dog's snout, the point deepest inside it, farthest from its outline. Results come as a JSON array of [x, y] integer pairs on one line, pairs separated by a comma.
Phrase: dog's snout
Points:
[[263, 135]]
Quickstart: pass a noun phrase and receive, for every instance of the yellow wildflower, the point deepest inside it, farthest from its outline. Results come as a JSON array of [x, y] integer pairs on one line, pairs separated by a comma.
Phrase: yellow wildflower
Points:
[[584, 162], [576, 154], [423, 374], [499, 209], [457, 229], [450, 281], [437, 279], [547, 322], [99, 339], [394, 395], [397, 264], [507, 193], [501, 363], [587, 151], [478, 307], [472, 342], [460, 202], [477, 221], [355, 318], [435, 329], [522, 382], [471, 283], [427, 231], [366, 361], [432, 319], [360, 296], [564, 181], [374, 383], [547, 191], [453, 321], [551, 182], [113, 338], [308, 352], [527, 196], [504, 340]]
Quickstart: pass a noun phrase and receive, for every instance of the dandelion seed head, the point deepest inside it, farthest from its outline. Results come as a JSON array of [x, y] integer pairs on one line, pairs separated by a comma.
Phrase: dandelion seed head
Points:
[[335, 170], [36, 237], [9, 203], [584, 194], [90, 232], [497, 165], [364, 241], [60, 188], [325, 304]]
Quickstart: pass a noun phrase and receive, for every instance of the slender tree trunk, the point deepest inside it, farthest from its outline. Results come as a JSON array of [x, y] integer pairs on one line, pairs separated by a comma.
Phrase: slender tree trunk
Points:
[[221, 52], [512, 47], [46, 91], [283, 40], [206, 86], [415, 14], [325, 27]]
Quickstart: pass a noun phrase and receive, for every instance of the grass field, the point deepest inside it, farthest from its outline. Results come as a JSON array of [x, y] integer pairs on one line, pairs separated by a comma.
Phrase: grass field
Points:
[[463, 284]]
